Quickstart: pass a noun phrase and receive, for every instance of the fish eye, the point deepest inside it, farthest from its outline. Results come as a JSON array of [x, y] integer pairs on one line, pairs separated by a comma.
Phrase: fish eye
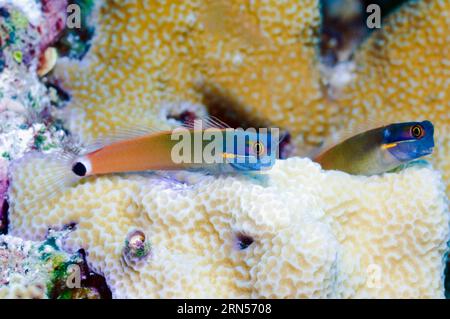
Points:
[[417, 131], [258, 148]]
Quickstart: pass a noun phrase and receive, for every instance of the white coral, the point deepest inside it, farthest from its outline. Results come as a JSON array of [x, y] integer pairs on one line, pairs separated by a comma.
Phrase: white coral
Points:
[[315, 233]]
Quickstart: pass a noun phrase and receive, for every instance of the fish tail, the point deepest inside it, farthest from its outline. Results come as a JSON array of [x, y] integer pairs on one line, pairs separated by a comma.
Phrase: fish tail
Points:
[[39, 177]]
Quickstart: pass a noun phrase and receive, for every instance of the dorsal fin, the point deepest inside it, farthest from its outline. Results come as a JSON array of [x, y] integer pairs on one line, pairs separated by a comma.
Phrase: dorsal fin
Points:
[[206, 122], [344, 134], [120, 133], [131, 131]]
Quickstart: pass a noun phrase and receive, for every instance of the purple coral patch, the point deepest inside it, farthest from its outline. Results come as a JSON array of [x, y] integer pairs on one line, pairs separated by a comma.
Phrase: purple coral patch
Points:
[[3, 191], [54, 21]]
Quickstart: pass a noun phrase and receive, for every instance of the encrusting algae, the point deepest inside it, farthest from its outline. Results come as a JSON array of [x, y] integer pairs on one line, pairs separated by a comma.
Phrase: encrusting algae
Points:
[[40, 270]]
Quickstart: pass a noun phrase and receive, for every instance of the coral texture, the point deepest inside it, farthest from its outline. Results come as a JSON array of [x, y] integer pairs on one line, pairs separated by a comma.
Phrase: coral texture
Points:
[[22, 95], [403, 73], [149, 55], [300, 232]]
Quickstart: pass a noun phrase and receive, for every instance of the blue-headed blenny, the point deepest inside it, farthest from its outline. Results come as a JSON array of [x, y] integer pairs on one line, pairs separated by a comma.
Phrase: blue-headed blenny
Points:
[[379, 150]]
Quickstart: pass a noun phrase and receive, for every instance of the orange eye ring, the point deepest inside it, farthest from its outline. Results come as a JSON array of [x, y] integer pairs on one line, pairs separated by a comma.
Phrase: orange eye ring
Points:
[[417, 131], [258, 148]]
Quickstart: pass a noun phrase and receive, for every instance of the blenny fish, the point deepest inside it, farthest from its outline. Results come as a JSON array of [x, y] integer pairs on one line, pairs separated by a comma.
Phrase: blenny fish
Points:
[[379, 150], [207, 145]]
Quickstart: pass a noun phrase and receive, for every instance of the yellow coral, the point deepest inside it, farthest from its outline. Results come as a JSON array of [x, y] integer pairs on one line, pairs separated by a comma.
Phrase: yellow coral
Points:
[[309, 233], [147, 53], [403, 73]]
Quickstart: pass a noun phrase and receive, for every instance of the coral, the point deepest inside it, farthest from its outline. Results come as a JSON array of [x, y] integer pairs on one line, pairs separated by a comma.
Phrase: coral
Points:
[[54, 14], [31, 269], [24, 99], [148, 56], [41, 270], [27, 30], [403, 73], [298, 232]]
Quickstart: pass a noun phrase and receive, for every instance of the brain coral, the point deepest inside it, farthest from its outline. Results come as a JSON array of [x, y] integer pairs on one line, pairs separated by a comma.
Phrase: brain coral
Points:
[[149, 55], [403, 73], [301, 232]]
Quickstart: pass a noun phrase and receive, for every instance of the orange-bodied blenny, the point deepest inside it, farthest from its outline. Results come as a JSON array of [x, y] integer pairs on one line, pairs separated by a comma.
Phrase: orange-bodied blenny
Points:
[[206, 145], [380, 150]]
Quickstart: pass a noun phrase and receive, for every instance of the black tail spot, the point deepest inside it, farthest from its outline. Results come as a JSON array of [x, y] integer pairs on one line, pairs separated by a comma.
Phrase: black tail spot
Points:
[[79, 169]]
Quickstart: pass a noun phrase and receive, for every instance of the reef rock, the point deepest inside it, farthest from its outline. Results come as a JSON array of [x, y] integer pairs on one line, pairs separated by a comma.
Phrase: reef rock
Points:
[[32, 270]]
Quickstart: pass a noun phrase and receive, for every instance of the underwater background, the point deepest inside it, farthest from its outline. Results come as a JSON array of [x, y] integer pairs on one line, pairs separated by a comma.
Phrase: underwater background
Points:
[[74, 71]]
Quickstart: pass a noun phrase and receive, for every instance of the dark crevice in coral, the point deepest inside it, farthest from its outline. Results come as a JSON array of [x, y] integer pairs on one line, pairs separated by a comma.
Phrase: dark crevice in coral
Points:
[[184, 117], [285, 146], [4, 222], [94, 280], [447, 279], [343, 32], [72, 226], [224, 107], [244, 241], [62, 96], [339, 33], [92, 285], [228, 110]]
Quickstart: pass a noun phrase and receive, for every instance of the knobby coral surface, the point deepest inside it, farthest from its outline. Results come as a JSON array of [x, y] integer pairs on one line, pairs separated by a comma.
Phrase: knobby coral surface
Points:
[[300, 232]]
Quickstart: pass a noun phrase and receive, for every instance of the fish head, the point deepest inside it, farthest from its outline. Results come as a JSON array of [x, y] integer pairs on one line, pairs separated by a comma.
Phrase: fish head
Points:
[[409, 141], [252, 150]]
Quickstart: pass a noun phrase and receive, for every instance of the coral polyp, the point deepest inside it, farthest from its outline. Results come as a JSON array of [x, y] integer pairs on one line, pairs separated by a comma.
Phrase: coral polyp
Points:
[[137, 247]]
